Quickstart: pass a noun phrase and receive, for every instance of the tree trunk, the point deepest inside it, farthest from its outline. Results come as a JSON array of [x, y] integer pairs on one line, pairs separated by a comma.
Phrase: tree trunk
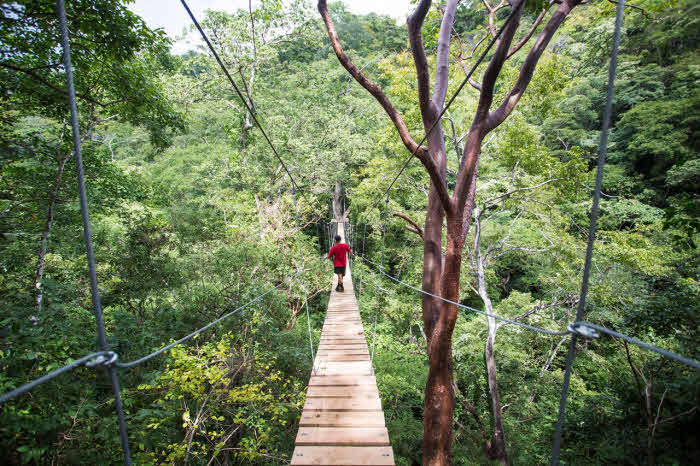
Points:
[[441, 275], [261, 225], [497, 448], [247, 121], [43, 248], [338, 200]]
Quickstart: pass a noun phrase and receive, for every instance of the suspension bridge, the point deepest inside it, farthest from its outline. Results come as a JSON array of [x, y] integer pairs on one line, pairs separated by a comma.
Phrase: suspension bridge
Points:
[[342, 422]]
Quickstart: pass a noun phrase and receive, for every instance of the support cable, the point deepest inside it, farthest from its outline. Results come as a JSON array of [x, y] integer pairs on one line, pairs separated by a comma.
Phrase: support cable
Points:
[[50, 376], [578, 328], [452, 99], [240, 95], [364, 234], [460, 305], [108, 359], [82, 194], [591, 234], [303, 280], [126, 365], [379, 285]]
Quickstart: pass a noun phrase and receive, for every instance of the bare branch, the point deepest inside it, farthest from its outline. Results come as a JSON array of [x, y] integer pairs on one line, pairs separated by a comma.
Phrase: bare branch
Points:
[[40, 79], [527, 70], [443, 54], [669, 419], [644, 12], [509, 193], [416, 229], [527, 37], [569, 301], [370, 86], [415, 23]]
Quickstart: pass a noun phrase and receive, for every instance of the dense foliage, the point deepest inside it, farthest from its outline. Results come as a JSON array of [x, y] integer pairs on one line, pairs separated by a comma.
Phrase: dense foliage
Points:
[[193, 216]]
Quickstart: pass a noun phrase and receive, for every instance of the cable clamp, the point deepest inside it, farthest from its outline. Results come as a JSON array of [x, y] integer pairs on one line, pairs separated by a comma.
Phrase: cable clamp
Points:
[[103, 360], [582, 329]]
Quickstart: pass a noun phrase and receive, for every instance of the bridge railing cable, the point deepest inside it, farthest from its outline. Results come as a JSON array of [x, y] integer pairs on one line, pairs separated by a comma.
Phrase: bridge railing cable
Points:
[[109, 359], [85, 213], [464, 306], [577, 328], [295, 186]]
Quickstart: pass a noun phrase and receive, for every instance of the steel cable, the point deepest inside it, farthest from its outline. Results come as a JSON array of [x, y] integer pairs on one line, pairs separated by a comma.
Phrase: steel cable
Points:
[[125, 365], [379, 285], [240, 95], [463, 306], [591, 234], [303, 281], [85, 213], [7, 396]]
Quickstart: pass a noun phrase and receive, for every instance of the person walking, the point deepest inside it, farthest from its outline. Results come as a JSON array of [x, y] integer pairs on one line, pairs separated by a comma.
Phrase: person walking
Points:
[[339, 254]]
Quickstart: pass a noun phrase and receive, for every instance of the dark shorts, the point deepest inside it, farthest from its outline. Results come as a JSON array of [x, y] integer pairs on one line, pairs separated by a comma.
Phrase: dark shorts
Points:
[[339, 270]]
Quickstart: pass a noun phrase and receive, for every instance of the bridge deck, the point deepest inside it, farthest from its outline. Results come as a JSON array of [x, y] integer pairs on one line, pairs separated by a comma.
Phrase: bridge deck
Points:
[[342, 422]]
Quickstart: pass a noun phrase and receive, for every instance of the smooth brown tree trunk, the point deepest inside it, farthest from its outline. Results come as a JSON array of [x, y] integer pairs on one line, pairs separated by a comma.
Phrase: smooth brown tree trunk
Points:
[[441, 273]]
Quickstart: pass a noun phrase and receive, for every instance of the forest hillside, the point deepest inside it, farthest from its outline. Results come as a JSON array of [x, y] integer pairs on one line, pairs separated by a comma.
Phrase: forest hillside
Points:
[[193, 215]]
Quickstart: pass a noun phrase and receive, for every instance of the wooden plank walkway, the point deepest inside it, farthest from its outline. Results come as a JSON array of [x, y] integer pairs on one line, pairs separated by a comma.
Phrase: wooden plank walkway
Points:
[[342, 422]]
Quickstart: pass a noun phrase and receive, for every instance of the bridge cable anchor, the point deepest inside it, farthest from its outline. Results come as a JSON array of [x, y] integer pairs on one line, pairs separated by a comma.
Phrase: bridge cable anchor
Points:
[[583, 330], [104, 360]]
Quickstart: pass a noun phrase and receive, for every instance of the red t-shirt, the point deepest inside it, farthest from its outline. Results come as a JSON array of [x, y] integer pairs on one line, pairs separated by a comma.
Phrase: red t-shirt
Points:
[[339, 254]]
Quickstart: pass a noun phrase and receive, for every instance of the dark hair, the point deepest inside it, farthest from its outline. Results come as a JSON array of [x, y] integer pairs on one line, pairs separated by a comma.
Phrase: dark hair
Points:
[[337, 238]]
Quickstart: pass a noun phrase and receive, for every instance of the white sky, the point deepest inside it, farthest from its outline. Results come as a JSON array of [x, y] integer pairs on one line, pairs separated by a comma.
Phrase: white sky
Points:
[[172, 17]]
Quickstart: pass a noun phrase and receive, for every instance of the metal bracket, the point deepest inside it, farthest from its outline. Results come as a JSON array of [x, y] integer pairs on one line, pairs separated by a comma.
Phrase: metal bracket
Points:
[[105, 359], [581, 329]]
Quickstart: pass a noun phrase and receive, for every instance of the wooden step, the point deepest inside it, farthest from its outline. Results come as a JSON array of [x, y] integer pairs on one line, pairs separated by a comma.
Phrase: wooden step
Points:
[[343, 436], [342, 419], [342, 357], [342, 456], [345, 380], [355, 391], [343, 404]]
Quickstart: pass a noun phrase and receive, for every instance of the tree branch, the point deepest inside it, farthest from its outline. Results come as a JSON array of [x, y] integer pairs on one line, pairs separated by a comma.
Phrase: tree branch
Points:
[[416, 229], [569, 301], [442, 66], [497, 117], [370, 86], [415, 23], [644, 12], [40, 79], [527, 37]]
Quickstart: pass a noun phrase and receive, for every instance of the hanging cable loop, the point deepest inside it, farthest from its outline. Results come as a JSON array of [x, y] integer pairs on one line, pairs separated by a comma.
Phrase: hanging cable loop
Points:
[[303, 278], [379, 283]]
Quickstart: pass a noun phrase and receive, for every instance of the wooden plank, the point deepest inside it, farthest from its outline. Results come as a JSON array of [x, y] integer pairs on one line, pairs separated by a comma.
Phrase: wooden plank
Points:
[[343, 404], [343, 436], [352, 332], [355, 371], [343, 357], [342, 456], [342, 419], [331, 380], [356, 391], [336, 347], [349, 350], [343, 336]]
